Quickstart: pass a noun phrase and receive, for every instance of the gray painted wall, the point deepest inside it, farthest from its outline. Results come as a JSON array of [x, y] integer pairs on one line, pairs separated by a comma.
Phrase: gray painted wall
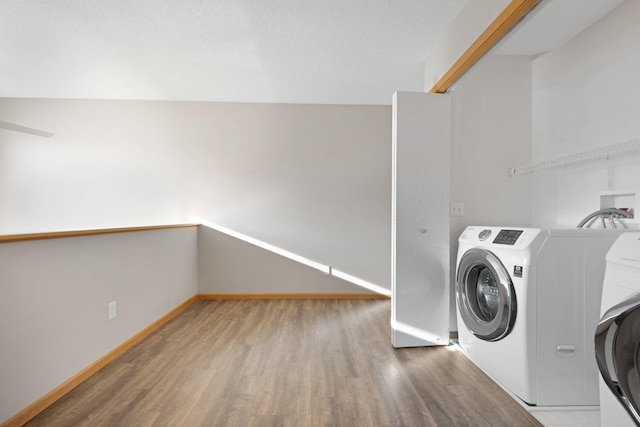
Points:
[[53, 310], [311, 179], [227, 265]]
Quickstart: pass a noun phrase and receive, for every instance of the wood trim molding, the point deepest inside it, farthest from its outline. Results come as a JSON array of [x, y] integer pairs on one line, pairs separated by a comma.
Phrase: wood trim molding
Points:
[[291, 296], [508, 18], [80, 233], [54, 395]]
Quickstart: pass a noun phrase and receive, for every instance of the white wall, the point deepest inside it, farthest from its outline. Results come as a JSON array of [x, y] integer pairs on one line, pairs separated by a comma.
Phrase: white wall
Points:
[[490, 132], [53, 310], [312, 179], [585, 96]]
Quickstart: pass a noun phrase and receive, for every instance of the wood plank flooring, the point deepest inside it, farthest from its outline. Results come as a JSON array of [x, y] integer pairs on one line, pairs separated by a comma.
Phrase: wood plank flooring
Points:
[[285, 363]]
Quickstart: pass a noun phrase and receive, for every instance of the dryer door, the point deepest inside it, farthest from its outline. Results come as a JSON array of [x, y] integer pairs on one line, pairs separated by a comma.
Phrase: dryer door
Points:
[[617, 345], [485, 295]]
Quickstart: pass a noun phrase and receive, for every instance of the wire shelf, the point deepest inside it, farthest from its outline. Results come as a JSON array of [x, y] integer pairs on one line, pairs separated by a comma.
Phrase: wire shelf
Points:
[[602, 153]]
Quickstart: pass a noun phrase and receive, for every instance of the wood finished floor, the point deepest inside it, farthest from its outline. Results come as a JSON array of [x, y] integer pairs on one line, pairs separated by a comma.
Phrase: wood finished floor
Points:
[[285, 363]]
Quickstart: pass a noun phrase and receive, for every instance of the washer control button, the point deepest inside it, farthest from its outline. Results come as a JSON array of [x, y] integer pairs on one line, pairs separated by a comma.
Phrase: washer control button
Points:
[[484, 235]]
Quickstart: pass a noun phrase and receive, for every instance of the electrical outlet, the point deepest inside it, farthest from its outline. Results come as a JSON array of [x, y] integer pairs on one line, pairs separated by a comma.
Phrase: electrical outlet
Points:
[[112, 310], [457, 209]]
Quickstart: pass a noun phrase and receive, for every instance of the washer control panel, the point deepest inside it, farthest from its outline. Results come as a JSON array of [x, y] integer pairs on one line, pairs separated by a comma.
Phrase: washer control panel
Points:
[[507, 237], [487, 236]]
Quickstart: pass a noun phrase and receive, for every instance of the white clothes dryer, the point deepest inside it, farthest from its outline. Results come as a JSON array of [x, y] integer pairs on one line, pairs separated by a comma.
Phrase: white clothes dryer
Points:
[[528, 302], [617, 337]]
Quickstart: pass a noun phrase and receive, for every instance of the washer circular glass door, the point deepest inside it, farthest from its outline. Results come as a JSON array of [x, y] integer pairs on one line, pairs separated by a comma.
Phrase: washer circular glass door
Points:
[[617, 346], [485, 295]]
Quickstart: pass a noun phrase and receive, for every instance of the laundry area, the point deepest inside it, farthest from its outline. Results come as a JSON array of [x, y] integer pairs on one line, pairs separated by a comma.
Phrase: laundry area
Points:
[[543, 216]]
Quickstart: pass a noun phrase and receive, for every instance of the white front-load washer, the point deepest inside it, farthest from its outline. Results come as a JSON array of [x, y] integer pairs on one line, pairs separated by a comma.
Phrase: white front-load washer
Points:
[[528, 302], [617, 337]]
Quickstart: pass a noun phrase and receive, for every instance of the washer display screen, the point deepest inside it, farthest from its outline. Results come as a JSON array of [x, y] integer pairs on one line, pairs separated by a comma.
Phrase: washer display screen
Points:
[[507, 237]]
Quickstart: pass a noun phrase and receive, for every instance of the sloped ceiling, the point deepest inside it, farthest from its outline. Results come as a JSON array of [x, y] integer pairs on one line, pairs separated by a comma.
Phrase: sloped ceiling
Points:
[[551, 24], [293, 51]]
